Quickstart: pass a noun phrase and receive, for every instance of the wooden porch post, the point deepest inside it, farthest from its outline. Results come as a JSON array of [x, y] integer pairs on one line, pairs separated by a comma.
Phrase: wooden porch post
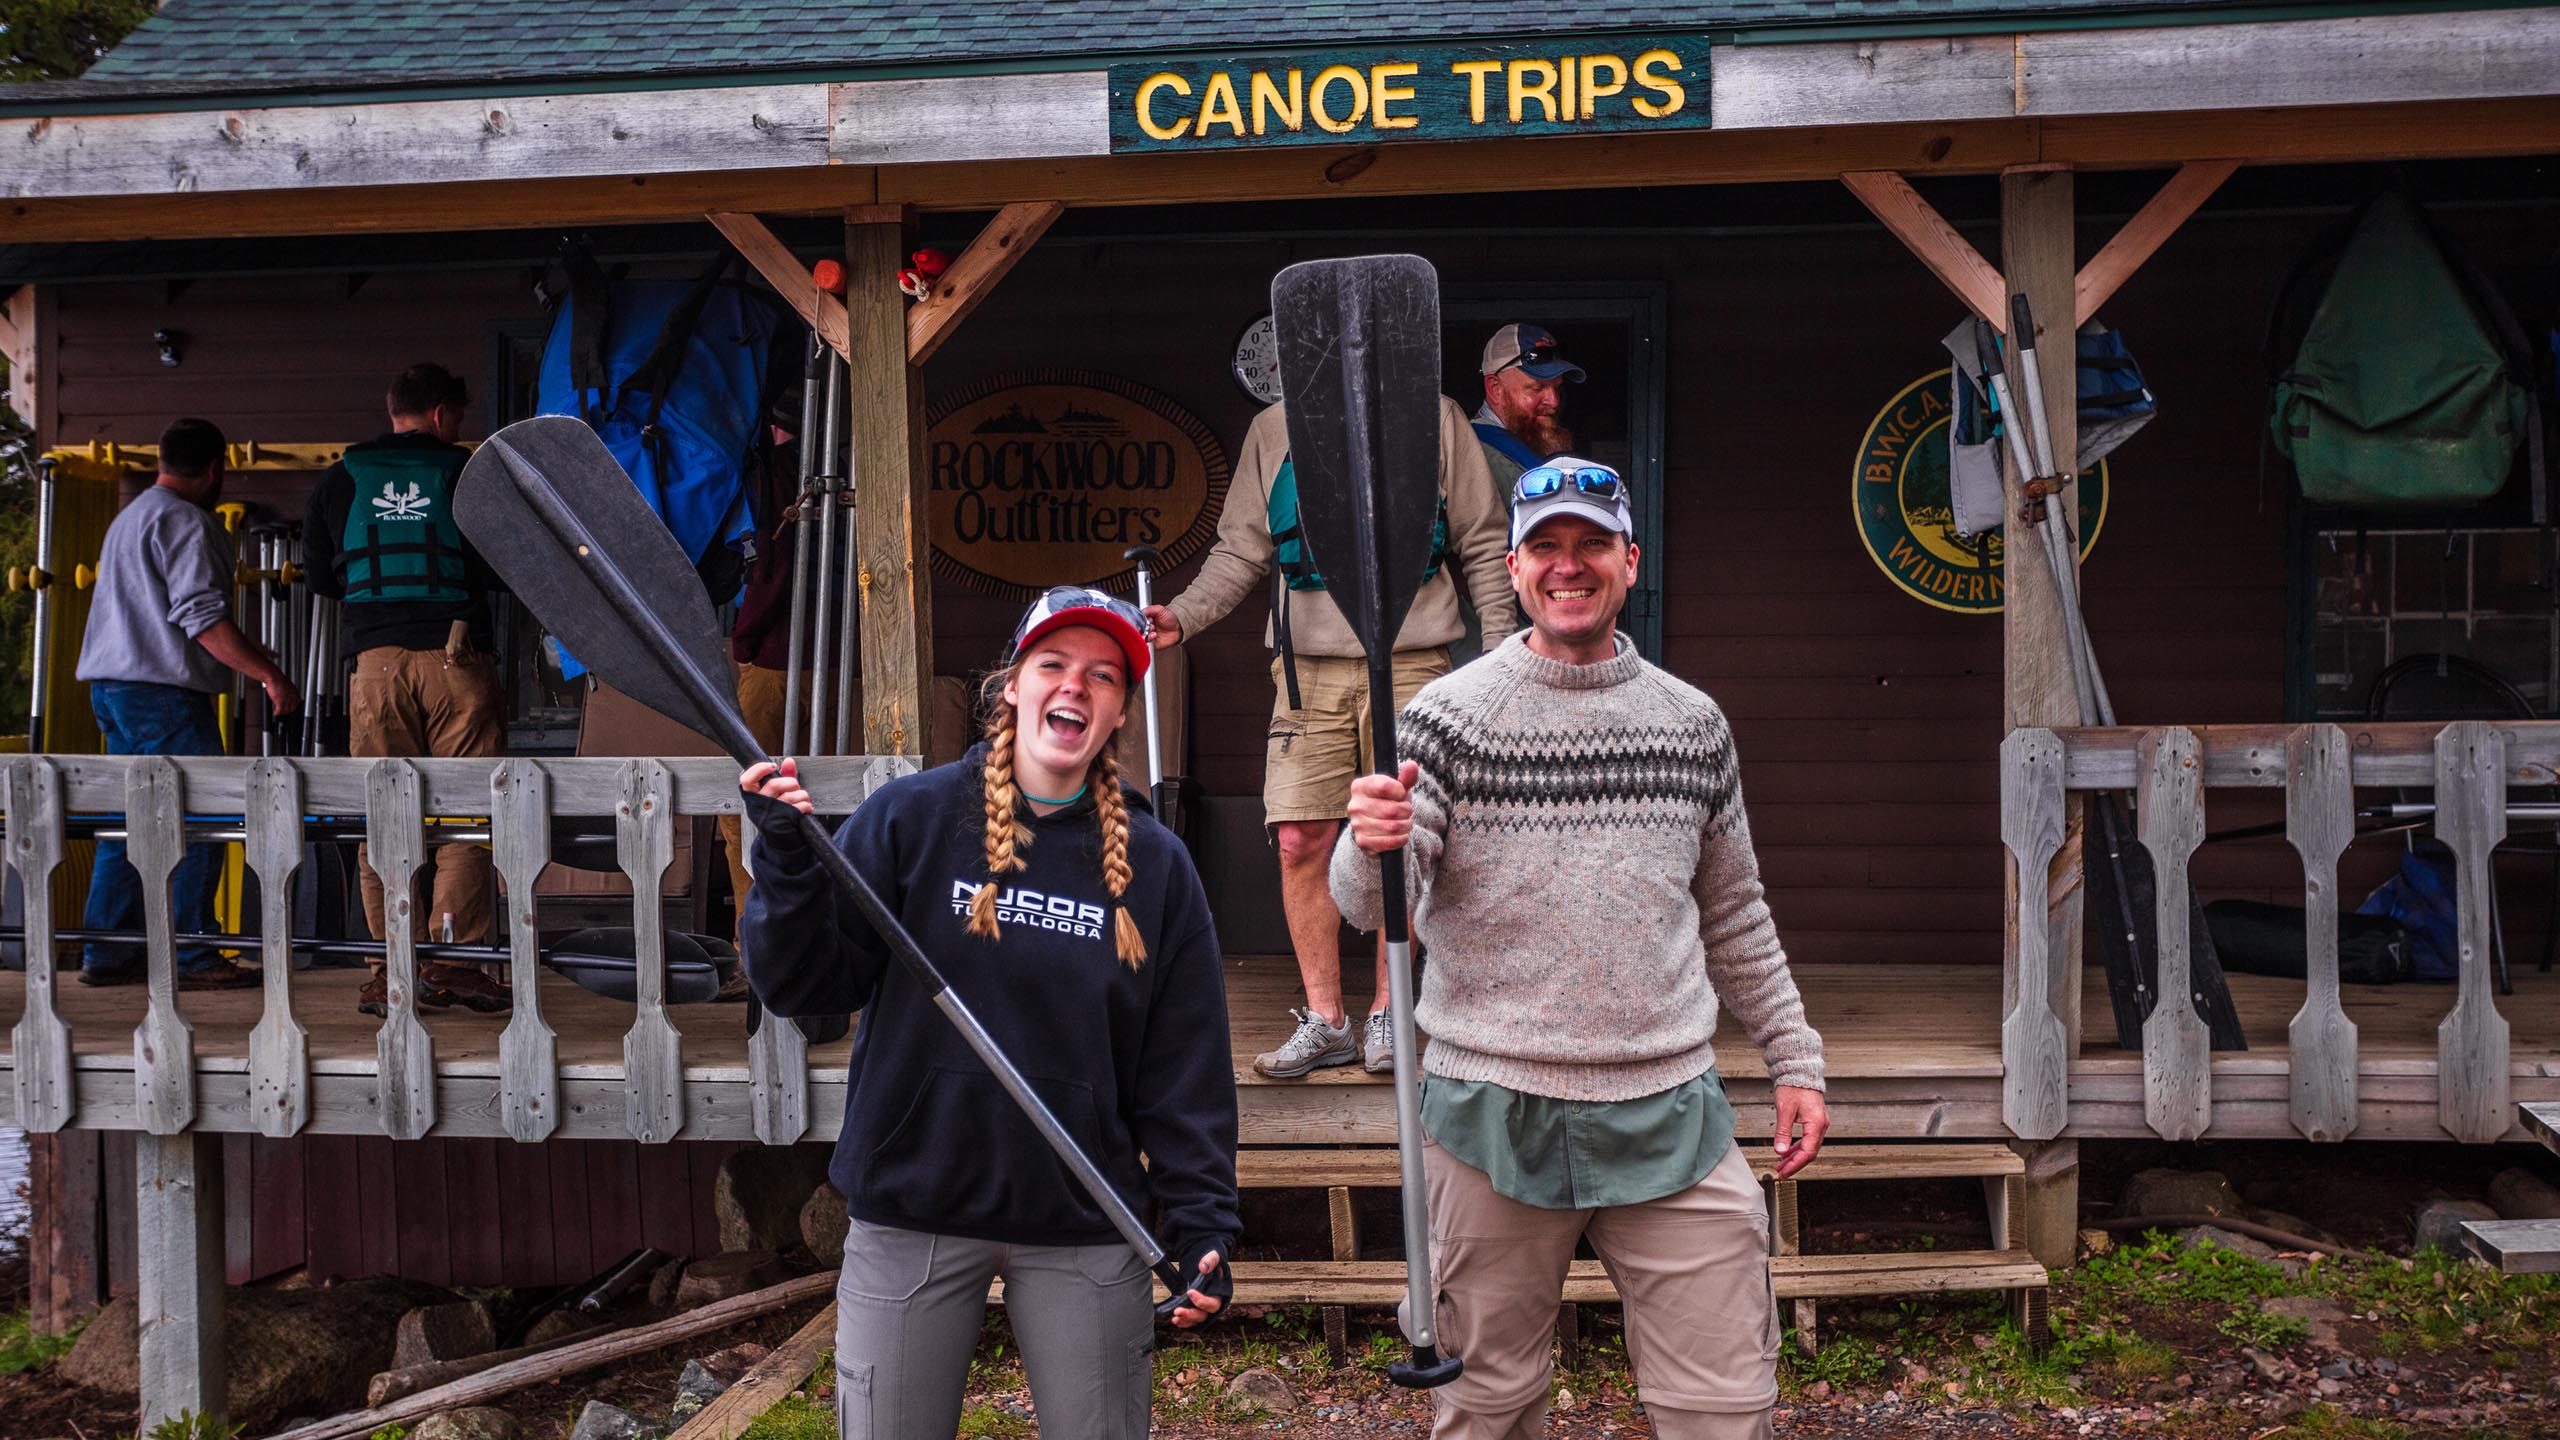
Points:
[[179, 1280], [2039, 259], [891, 529]]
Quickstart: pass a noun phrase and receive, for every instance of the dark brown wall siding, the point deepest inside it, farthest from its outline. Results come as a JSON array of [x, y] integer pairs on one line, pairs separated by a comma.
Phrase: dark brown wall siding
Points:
[[1867, 720]]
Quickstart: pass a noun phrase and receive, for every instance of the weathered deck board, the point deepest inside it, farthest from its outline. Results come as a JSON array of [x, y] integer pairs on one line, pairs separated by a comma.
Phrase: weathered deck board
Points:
[[1914, 1052]]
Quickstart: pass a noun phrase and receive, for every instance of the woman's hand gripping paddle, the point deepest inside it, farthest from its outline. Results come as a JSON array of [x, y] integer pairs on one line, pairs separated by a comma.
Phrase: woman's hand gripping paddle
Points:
[[1360, 363], [566, 529]]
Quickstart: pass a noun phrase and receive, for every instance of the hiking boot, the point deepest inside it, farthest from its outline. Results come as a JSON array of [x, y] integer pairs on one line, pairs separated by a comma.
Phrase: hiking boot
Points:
[[1312, 1046], [375, 998], [221, 975], [1378, 1044], [463, 985]]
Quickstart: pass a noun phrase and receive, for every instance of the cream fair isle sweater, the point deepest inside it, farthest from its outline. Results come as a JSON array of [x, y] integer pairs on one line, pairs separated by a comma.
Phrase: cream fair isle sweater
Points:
[[1583, 877]]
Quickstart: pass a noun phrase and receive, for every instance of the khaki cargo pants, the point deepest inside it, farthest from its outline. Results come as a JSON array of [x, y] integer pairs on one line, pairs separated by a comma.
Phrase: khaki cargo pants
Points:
[[416, 702], [1702, 1322]]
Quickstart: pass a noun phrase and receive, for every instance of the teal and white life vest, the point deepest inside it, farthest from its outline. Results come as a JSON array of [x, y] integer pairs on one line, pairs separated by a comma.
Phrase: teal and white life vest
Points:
[[400, 542], [1289, 546]]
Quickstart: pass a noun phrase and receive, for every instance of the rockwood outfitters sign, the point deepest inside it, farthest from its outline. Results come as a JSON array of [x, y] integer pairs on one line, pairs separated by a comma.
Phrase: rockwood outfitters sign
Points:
[[1043, 478], [1899, 494], [1374, 94]]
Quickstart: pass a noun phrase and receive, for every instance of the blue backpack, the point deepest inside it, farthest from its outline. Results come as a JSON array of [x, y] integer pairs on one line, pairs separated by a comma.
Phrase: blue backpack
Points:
[[2421, 898], [671, 375]]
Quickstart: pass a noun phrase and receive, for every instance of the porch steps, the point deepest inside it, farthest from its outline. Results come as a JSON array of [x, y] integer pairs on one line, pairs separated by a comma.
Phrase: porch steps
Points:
[[1348, 1280], [2522, 1247]]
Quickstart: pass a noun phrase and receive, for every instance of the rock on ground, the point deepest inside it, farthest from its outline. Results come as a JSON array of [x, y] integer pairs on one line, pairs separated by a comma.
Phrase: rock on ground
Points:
[[1265, 1387], [823, 1224], [288, 1352], [662, 1286], [2438, 1224], [478, 1422], [455, 1330], [2519, 1194], [723, 1276], [2180, 1192], [758, 1192], [600, 1421], [2319, 1314]]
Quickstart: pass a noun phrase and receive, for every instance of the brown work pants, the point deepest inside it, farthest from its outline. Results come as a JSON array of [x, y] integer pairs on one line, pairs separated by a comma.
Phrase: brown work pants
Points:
[[416, 702], [761, 693], [1693, 1268]]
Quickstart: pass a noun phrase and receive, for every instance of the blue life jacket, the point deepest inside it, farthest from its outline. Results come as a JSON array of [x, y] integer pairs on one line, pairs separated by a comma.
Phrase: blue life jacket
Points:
[[1513, 448], [399, 542]]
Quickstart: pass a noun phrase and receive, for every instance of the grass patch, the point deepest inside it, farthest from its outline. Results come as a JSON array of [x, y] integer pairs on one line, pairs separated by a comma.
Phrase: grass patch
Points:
[[2327, 1422], [987, 1422], [22, 1349], [797, 1418], [2121, 1361]]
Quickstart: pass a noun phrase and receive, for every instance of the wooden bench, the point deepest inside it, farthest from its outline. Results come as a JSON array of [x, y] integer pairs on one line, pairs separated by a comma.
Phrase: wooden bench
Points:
[[1347, 1280]]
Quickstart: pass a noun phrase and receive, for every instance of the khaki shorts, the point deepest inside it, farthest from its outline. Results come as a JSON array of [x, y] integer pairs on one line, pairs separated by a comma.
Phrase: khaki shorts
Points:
[[1315, 751]]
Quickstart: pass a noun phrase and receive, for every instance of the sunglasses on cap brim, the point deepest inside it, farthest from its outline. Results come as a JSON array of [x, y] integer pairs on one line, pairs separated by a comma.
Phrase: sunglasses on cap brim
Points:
[[1597, 481], [1067, 599]]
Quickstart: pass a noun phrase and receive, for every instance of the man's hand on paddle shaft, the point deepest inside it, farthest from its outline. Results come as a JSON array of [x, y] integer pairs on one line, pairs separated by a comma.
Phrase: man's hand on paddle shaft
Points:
[[1204, 1305], [1162, 628], [778, 782], [1382, 809], [1800, 1108]]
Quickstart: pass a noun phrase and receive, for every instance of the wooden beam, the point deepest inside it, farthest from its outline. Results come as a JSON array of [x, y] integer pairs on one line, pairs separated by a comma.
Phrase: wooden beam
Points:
[[178, 1233], [893, 544], [2154, 223], [1926, 233], [989, 258], [2435, 130], [782, 270]]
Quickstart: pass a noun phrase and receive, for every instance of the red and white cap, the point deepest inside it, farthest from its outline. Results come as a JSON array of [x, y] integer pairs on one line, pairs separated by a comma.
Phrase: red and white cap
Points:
[[1076, 605]]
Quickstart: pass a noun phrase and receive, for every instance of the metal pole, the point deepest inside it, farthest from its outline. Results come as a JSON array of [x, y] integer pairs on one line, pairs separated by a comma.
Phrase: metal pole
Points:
[[1146, 557], [830, 475], [811, 377], [42, 638]]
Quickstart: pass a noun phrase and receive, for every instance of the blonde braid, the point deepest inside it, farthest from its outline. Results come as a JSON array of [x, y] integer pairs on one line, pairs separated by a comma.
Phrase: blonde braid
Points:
[[1004, 827], [1113, 811]]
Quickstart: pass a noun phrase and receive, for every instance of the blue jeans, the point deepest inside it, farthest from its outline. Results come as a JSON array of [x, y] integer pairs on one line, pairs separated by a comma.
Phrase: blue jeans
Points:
[[139, 718]]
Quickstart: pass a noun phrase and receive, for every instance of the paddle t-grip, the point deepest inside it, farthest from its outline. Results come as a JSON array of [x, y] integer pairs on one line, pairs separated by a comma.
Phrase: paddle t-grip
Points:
[[1427, 1370]]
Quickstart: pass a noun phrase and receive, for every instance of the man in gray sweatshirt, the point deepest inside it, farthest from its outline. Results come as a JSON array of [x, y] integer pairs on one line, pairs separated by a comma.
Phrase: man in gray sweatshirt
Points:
[[1585, 883], [160, 644]]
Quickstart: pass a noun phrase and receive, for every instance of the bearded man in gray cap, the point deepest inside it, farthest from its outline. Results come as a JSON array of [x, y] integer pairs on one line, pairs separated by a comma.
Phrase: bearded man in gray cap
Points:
[[1523, 390]]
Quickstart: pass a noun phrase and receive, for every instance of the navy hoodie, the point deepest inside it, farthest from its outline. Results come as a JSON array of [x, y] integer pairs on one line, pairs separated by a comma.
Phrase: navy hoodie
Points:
[[1132, 1062]]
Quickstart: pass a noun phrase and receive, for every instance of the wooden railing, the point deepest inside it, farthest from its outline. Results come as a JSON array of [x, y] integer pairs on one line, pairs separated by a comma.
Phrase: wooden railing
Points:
[[517, 800], [2470, 765]]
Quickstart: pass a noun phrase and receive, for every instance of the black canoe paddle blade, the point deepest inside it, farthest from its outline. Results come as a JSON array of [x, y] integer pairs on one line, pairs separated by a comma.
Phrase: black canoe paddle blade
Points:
[[556, 516], [1360, 362]]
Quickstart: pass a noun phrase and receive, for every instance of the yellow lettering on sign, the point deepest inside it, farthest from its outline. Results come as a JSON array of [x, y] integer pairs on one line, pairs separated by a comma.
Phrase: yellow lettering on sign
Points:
[[1359, 84], [1673, 96], [1593, 92], [1475, 71], [1218, 106], [1544, 92], [1380, 92], [1146, 107], [1267, 100], [1565, 69]]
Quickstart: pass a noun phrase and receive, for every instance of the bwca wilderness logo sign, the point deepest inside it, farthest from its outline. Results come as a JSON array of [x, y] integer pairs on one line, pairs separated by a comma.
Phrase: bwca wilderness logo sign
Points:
[[1899, 494], [1043, 478]]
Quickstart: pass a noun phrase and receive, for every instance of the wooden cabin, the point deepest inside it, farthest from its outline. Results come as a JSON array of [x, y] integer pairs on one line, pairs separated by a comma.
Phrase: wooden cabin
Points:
[[1757, 278]]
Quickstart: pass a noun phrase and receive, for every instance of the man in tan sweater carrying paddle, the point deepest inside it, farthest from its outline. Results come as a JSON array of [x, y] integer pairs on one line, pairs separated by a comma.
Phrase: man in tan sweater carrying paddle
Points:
[[1572, 817]]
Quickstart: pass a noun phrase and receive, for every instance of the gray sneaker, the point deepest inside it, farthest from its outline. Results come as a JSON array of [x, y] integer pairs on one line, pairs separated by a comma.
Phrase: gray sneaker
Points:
[[1312, 1046], [1378, 1044]]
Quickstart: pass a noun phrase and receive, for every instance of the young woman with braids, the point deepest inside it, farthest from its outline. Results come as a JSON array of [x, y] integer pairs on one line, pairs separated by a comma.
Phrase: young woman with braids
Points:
[[1074, 926]]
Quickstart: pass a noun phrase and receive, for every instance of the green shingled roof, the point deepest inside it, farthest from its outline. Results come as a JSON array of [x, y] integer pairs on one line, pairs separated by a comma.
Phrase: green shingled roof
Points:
[[267, 44]]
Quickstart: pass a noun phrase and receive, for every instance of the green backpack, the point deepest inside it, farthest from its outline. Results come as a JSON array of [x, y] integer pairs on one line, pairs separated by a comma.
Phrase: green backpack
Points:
[[2411, 385]]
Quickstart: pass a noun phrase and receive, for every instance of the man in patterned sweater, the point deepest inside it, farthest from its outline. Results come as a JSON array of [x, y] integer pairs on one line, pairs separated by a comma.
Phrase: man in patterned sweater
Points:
[[1573, 819]]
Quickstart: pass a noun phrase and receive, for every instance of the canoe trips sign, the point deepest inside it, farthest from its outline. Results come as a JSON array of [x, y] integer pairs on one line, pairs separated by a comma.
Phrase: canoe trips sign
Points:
[[1900, 494], [1375, 94], [1043, 477]]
